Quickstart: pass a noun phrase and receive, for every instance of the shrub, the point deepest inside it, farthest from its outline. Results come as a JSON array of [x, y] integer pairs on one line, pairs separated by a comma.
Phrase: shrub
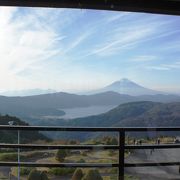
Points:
[[78, 174], [83, 153], [37, 175], [73, 142], [34, 175], [61, 154], [8, 157], [114, 141], [25, 170], [92, 174], [81, 161], [110, 140], [43, 176], [111, 153], [114, 171], [61, 171]]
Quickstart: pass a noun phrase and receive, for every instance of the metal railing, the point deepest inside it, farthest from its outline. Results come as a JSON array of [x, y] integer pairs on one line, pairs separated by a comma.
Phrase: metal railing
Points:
[[121, 147]]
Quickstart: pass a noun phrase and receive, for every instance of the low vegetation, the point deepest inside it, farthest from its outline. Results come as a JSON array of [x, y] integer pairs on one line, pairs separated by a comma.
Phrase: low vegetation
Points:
[[92, 174], [37, 175], [78, 174], [61, 171], [61, 154], [89, 175]]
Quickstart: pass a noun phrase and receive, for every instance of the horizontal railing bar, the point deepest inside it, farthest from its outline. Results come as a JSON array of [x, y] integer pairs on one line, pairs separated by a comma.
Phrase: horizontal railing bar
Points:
[[148, 164], [152, 129], [37, 146], [67, 165], [58, 128], [153, 146], [89, 129], [86, 165], [89, 147]]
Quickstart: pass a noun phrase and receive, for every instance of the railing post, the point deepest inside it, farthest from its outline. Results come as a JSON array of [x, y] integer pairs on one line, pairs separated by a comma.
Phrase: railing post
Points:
[[121, 154], [18, 155]]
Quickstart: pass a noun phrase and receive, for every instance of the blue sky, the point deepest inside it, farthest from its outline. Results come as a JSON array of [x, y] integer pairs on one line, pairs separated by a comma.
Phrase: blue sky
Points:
[[79, 50]]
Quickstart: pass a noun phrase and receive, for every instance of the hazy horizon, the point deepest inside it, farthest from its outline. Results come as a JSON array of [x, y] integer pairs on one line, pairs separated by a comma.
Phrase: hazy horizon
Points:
[[79, 50], [38, 91]]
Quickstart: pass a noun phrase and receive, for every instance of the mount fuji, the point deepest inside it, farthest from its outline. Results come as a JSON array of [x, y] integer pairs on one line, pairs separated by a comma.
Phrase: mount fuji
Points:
[[125, 86]]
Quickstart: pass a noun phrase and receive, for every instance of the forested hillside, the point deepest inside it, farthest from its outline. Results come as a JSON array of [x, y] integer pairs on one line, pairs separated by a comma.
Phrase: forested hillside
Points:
[[7, 136]]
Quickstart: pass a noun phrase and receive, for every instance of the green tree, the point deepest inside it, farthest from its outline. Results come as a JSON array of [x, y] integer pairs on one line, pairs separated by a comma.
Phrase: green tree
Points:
[[92, 174], [61, 154], [78, 174]]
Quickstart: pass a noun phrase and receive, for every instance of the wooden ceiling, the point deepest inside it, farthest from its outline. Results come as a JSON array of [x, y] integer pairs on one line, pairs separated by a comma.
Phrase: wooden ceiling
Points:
[[150, 6]]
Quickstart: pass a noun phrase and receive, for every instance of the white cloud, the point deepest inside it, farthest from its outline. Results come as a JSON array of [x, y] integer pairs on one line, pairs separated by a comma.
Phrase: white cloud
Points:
[[144, 58], [116, 17], [79, 40], [160, 68], [175, 65], [31, 36], [121, 40], [171, 46], [22, 46], [129, 34], [165, 67]]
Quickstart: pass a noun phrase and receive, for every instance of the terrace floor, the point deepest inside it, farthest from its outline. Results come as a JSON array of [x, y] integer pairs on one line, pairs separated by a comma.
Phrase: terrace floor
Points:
[[153, 173]]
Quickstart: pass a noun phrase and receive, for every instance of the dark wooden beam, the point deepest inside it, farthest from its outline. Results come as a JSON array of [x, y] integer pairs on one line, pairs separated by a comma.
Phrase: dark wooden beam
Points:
[[150, 6]]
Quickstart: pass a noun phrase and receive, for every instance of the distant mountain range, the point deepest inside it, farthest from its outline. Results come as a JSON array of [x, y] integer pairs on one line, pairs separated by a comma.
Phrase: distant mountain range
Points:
[[28, 92], [144, 107], [37, 107], [51, 104], [125, 86]]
